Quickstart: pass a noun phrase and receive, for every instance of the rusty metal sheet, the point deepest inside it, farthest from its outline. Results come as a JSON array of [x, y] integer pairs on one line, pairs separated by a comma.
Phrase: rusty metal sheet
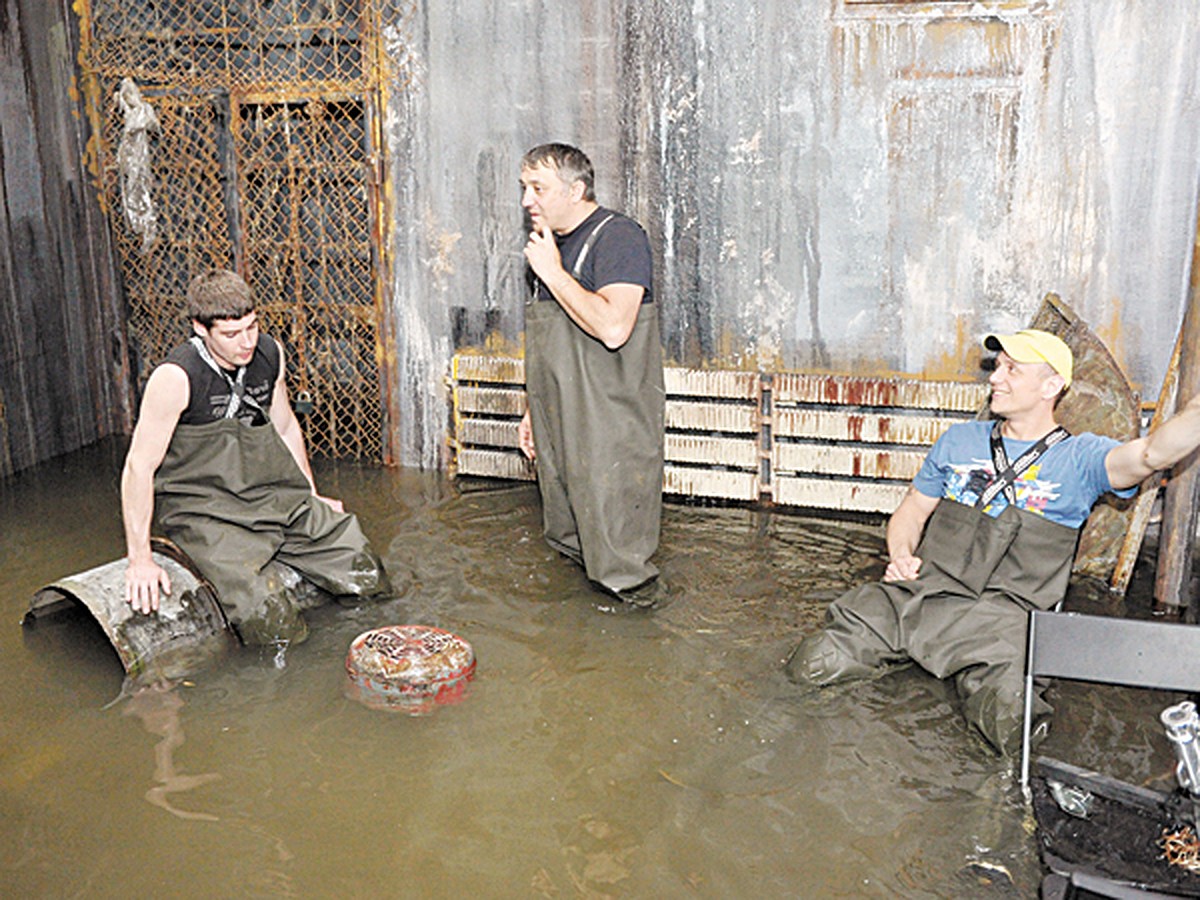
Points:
[[838, 494], [688, 415], [711, 383], [488, 433], [488, 369], [724, 485], [844, 390], [188, 632], [488, 400], [494, 464], [1101, 401], [874, 428], [839, 459], [713, 451]]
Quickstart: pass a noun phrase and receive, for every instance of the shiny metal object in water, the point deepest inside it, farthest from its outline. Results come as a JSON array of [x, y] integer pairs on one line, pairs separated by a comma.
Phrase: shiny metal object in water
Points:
[[1183, 727], [188, 631], [1072, 799]]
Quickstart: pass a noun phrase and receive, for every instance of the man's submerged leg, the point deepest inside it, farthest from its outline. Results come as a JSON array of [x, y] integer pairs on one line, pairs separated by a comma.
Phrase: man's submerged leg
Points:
[[861, 637], [271, 613], [329, 549], [981, 644], [994, 705]]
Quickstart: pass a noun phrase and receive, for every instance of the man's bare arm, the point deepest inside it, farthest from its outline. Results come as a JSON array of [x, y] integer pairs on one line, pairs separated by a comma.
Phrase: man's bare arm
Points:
[[1134, 461], [165, 398], [608, 314], [904, 531]]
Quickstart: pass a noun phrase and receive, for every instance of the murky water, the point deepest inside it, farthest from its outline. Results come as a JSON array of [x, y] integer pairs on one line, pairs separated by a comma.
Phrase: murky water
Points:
[[599, 754]]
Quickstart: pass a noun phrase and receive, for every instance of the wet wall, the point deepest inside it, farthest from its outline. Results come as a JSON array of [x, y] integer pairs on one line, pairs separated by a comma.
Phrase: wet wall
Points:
[[827, 184], [63, 372]]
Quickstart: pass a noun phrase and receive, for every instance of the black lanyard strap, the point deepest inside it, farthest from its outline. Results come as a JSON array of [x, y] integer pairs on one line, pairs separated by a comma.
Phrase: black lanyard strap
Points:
[[1006, 472], [237, 386]]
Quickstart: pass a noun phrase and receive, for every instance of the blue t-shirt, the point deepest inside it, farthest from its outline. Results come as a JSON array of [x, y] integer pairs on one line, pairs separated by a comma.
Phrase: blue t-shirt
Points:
[[1062, 485]]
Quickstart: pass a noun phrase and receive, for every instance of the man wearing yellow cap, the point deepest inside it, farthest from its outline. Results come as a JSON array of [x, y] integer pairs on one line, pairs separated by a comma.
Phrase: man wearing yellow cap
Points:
[[986, 532]]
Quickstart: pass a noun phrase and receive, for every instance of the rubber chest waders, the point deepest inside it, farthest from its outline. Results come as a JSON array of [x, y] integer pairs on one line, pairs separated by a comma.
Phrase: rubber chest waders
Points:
[[965, 615], [597, 417], [232, 497]]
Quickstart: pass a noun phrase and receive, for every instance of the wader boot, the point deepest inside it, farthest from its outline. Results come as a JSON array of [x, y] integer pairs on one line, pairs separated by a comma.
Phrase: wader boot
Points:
[[965, 615], [234, 500], [597, 417]]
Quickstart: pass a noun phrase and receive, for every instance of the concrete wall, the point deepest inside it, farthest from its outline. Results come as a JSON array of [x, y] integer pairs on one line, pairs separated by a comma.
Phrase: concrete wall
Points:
[[828, 184]]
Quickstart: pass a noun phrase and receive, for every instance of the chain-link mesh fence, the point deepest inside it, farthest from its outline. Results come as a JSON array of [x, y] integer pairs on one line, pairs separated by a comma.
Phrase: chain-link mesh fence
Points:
[[264, 158]]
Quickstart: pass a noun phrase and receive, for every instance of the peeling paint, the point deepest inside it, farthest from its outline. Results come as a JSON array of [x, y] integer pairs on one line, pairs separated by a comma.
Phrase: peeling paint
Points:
[[865, 190]]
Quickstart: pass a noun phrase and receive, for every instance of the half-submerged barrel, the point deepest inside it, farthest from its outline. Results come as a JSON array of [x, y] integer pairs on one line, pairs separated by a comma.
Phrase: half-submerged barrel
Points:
[[188, 631]]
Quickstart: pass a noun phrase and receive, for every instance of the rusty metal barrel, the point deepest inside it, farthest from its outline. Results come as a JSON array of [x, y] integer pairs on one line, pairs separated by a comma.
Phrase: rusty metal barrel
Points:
[[409, 668], [188, 631]]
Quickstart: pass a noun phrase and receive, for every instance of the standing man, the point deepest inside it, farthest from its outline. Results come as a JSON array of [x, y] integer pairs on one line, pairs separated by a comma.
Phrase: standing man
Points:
[[986, 533], [219, 451], [594, 377]]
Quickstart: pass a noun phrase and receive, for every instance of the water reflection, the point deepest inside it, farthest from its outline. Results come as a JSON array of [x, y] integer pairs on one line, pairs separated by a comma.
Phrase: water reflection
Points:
[[599, 755], [157, 706]]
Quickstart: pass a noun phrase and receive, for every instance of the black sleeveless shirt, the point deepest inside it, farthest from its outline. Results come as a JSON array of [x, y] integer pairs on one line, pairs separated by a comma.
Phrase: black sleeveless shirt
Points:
[[211, 392]]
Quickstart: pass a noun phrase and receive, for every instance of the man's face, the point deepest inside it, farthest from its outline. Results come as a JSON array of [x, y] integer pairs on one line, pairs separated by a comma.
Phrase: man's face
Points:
[[230, 341], [1019, 387], [549, 200]]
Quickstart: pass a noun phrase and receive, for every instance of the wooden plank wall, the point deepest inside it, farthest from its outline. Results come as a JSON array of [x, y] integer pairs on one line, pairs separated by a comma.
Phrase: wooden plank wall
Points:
[[63, 364], [791, 439]]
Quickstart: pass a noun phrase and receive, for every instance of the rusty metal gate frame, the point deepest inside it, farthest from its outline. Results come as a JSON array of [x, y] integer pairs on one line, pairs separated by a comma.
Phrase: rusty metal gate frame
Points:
[[319, 266], [333, 342]]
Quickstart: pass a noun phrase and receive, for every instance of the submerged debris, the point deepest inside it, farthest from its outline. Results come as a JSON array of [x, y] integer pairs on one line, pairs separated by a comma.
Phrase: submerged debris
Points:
[[1181, 847]]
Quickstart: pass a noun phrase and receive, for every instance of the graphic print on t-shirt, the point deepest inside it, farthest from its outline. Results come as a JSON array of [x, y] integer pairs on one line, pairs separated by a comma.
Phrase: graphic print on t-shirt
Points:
[[967, 482]]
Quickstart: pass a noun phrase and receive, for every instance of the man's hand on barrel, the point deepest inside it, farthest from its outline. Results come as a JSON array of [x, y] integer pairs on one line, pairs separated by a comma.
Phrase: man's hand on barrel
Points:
[[145, 582]]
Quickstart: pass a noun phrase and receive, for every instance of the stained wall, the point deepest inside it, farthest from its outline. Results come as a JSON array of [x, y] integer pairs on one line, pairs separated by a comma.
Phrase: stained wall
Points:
[[827, 184], [63, 361]]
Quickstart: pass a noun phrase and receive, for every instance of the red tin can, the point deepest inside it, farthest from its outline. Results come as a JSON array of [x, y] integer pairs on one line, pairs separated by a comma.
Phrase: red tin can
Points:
[[409, 668]]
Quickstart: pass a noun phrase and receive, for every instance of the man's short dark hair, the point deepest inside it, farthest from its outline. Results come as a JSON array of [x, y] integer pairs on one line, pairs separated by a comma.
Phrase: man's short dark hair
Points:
[[218, 294], [571, 162]]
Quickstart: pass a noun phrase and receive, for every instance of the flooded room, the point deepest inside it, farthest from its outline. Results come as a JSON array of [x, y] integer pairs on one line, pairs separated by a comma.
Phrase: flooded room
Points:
[[613, 449]]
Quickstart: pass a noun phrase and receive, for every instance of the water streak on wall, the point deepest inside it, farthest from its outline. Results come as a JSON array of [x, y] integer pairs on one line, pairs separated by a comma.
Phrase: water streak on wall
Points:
[[828, 185]]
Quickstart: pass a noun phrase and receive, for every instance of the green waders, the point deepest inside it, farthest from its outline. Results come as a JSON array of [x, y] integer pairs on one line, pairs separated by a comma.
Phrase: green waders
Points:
[[965, 615], [234, 500], [597, 417]]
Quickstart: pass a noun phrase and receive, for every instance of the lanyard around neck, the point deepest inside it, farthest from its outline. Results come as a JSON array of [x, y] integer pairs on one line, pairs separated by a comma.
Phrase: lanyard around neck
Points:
[[1006, 472], [237, 386]]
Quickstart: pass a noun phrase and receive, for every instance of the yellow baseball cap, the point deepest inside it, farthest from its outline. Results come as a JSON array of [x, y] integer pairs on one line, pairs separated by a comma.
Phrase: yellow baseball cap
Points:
[[1031, 345]]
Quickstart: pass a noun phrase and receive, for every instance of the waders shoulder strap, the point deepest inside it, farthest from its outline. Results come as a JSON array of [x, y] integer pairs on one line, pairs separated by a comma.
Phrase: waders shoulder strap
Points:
[[587, 246], [1006, 472], [583, 252]]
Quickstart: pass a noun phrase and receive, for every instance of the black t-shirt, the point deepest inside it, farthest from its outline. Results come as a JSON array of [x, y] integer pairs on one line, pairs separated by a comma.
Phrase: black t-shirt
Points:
[[619, 255], [210, 392]]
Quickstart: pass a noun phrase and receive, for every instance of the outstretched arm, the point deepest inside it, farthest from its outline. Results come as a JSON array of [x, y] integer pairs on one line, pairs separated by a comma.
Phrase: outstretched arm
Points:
[[904, 531], [165, 399], [608, 314], [1134, 461], [288, 426]]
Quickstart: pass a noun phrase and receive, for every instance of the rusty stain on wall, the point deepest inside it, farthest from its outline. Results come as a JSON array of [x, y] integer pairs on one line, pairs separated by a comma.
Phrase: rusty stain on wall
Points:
[[906, 177], [830, 186]]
